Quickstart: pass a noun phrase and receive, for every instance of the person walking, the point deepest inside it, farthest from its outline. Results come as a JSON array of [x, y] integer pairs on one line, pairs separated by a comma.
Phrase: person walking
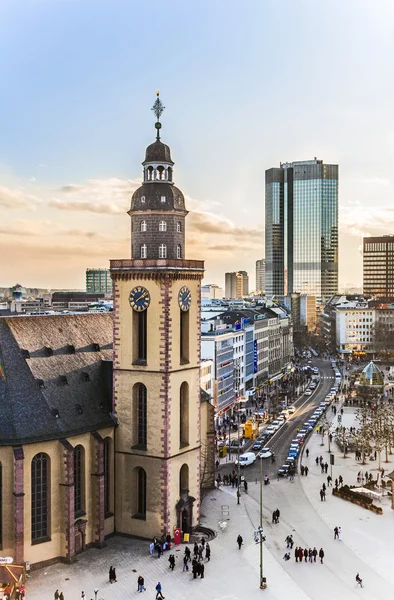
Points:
[[321, 555], [317, 460], [159, 549], [323, 487], [329, 480], [307, 452], [208, 551], [300, 554], [340, 479], [83, 595], [322, 467], [340, 534], [171, 560], [245, 486], [306, 471], [335, 533], [306, 554], [310, 555], [61, 596], [111, 574], [56, 595], [274, 516], [141, 584], [194, 568], [188, 553], [277, 515], [359, 581], [296, 554], [185, 565], [159, 592], [195, 550], [291, 542], [326, 467], [314, 552], [202, 569], [200, 551], [239, 541], [324, 494], [321, 495]]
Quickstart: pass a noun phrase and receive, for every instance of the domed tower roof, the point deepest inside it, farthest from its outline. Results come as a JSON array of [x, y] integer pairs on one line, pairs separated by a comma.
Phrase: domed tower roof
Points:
[[158, 208]]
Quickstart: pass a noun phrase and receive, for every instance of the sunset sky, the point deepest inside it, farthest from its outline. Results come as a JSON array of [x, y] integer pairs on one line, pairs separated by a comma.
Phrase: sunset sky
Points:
[[246, 85]]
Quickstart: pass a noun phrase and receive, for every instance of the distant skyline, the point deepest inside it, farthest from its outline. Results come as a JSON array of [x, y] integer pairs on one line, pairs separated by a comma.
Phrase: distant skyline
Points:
[[245, 88]]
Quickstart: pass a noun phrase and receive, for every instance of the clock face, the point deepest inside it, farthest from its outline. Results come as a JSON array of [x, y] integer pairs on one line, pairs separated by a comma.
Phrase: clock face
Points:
[[139, 298], [184, 298]]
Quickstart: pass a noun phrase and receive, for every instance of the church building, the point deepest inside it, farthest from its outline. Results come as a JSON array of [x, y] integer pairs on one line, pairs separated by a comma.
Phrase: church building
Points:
[[103, 426]]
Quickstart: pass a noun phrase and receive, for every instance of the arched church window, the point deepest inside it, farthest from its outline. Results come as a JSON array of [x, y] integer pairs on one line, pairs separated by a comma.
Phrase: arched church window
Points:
[[160, 173], [184, 479], [107, 475], [162, 226], [143, 226], [140, 415], [142, 199], [162, 251], [79, 480], [140, 494], [143, 251], [184, 414], [178, 251], [178, 227], [40, 498], [150, 173]]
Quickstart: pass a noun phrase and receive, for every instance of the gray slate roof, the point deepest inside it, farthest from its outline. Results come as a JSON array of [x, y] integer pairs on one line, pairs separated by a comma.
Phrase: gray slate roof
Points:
[[54, 365]]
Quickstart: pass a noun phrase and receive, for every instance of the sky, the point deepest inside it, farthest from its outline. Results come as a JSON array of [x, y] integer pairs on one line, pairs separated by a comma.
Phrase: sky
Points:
[[246, 85]]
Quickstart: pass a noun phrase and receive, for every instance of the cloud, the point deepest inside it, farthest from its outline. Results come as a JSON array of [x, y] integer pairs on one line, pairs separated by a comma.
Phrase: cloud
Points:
[[364, 221], [206, 222], [87, 206], [17, 199]]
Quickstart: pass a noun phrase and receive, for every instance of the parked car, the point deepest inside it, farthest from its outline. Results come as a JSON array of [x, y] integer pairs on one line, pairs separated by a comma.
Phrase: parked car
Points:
[[265, 453], [275, 424], [257, 444], [312, 385], [270, 430], [291, 410], [284, 469], [308, 393], [281, 420], [246, 459]]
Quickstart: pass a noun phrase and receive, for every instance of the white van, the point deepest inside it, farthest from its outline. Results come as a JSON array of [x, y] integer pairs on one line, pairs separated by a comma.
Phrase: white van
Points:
[[246, 459]]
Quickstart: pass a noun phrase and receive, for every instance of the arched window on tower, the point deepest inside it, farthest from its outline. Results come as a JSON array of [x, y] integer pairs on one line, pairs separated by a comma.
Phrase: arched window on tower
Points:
[[162, 226], [184, 480], [140, 494], [179, 251], [79, 480], [184, 414], [140, 414], [107, 476], [178, 227], [143, 226], [150, 173], [40, 498], [169, 174], [160, 173], [144, 250], [162, 251]]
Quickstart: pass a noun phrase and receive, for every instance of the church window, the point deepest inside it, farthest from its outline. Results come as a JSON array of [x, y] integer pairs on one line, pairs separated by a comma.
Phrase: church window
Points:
[[140, 337], [184, 336], [140, 415], [40, 498], [162, 251], [107, 476], [140, 512], [184, 415], [142, 199], [160, 173], [150, 173], [144, 251], [184, 480], [163, 199], [79, 480], [143, 226], [162, 226], [178, 227], [178, 251]]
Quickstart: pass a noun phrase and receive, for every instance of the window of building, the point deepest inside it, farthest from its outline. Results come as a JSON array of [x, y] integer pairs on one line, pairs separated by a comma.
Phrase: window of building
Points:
[[143, 251], [139, 416], [162, 226], [142, 199], [140, 320], [178, 251], [143, 226], [184, 415], [40, 498], [184, 336], [184, 480], [79, 477], [162, 251], [107, 476], [163, 199], [178, 227], [140, 491]]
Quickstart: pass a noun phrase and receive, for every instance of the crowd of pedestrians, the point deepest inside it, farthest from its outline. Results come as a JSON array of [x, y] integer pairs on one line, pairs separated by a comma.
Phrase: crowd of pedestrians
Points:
[[307, 554]]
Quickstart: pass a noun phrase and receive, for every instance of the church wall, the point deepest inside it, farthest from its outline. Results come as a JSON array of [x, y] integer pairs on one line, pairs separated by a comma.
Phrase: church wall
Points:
[[8, 520]]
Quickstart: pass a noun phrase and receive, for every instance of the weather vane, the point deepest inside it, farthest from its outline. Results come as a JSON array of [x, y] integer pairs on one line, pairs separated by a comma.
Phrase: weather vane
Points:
[[158, 108]]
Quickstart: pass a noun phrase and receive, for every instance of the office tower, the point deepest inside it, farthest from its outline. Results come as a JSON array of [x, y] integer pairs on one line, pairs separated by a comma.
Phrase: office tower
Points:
[[98, 281], [236, 284], [260, 275], [378, 266], [301, 229]]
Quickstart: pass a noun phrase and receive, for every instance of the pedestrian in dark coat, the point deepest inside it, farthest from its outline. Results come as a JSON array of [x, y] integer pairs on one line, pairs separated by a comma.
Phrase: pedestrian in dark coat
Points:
[[239, 541], [195, 550], [336, 483], [329, 478], [306, 471], [291, 542], [185, 565], [321, 555], [61, 597], [317, 460], [202, 569], [306, 554], [335, 533], [114, 574], [141, 584], [171, 560], [324, 495], [310, 555], [326, 467], [307, 453], [188, 553], [323, 487], [274, 516], [302, 469], [340, 479], [277, 515], [300, 554], [194, 568], [296, 554], [314, 552], [159, 550], [200, 551], [322, 467], [56, 595], [208, 552], [321, 495]]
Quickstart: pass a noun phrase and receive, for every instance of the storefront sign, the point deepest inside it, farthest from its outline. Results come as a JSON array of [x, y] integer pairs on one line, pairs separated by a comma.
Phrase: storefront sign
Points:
[[255, 355], [6, 560]]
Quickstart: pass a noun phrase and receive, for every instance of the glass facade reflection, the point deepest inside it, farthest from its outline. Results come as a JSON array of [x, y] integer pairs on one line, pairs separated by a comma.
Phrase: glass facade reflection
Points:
[[301, 236]]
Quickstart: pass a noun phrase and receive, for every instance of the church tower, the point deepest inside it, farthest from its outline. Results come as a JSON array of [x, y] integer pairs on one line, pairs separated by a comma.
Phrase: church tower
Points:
[[156, 367]]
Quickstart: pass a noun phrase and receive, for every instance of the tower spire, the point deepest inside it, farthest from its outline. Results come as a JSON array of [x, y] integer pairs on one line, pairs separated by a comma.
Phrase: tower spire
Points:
[[158, 108]]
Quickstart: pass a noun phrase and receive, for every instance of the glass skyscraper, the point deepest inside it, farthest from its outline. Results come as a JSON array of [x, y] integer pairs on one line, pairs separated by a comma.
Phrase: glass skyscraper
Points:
[[301, 229]]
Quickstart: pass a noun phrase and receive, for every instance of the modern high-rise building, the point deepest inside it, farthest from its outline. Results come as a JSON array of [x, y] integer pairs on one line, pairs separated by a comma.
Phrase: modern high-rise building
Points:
[[301, 229], [98, 281], [260, 275], [378, 266], [236, 284]]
